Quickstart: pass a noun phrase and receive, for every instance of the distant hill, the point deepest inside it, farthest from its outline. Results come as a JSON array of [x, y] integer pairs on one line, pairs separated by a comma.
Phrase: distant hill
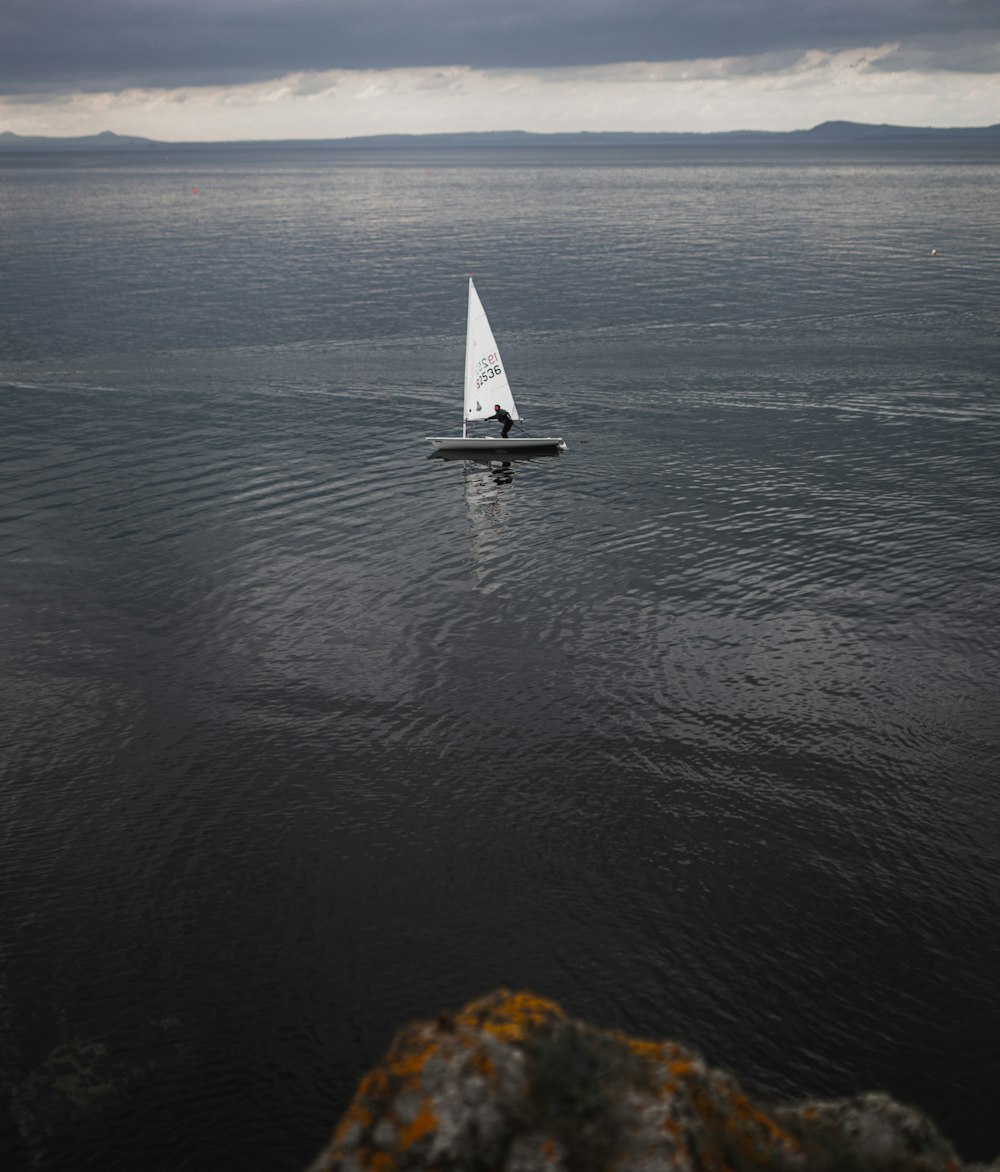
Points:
[[884, 132], [845, 133], [104, 141]]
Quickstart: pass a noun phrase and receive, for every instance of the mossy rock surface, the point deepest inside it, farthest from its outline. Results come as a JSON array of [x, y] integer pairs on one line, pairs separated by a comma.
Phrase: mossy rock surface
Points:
[[512, 1084]]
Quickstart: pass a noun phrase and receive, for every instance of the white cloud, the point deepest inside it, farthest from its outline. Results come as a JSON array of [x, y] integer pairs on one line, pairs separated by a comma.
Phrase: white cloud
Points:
[[781, 91]]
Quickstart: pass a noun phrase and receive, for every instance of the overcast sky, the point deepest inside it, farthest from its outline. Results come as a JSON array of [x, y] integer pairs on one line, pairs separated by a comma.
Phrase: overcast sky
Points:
[[187, 70]]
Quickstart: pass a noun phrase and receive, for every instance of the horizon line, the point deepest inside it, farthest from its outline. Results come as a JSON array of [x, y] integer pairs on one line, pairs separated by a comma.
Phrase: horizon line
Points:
[[843, 126]]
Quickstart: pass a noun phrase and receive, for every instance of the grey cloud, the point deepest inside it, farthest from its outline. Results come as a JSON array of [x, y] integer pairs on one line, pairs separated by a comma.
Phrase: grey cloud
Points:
[[950, 54], [114, 44]]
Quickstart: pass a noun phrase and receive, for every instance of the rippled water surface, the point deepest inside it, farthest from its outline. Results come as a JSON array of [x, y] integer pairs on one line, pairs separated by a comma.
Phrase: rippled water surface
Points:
[[306, 734]]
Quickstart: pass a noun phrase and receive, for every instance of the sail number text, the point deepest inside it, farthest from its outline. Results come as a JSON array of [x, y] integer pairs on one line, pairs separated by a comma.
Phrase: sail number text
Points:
[[487, 368]]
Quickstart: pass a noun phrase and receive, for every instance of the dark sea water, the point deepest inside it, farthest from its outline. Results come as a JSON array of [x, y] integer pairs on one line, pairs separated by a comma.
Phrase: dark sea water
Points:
[[304, 734]]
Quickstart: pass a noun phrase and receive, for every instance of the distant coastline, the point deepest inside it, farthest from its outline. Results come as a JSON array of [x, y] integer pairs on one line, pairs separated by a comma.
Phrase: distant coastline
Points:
[[827, 133]]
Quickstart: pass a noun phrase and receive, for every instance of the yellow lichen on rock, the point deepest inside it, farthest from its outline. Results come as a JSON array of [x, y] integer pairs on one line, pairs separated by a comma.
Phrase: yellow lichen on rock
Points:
[[510, 1016], [424, 1123]]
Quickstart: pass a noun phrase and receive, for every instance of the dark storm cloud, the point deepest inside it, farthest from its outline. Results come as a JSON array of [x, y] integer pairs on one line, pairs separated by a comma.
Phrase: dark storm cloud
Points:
[[112, 44]]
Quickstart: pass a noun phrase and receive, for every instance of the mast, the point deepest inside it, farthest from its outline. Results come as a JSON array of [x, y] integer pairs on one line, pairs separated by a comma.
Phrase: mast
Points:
[[469, 344]]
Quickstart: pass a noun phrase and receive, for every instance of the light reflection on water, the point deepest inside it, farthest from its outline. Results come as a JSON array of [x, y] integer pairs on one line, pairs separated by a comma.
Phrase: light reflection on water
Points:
[[307, 733]]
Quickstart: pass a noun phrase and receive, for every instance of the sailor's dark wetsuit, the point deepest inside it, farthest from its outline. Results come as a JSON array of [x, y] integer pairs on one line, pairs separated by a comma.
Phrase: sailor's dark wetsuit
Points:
[[505, 418]]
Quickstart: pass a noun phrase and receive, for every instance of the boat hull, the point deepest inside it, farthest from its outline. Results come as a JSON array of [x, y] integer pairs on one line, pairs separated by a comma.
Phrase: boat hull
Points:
[[520, 444]]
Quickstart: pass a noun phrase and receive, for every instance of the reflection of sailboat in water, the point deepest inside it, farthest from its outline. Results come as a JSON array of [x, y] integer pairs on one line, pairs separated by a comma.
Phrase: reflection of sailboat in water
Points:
[[487, 487], [487, 480]]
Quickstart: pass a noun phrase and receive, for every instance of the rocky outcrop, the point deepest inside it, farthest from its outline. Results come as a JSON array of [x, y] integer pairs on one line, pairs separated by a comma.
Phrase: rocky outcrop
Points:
[[512, 1084]]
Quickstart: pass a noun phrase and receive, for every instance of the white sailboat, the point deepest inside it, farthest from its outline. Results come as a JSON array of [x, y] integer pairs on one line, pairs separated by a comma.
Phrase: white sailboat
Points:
[[486, 385]]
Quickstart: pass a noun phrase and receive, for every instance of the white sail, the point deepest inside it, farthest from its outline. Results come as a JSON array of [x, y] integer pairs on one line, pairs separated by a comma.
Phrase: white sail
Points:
[[485, 377]]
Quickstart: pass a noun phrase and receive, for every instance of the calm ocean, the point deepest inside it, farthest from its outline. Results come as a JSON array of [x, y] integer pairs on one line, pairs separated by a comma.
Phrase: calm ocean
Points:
[[694, 728]]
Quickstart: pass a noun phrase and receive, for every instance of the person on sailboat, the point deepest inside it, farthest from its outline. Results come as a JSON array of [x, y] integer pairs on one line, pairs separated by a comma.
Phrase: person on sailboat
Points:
[[504, 417]]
